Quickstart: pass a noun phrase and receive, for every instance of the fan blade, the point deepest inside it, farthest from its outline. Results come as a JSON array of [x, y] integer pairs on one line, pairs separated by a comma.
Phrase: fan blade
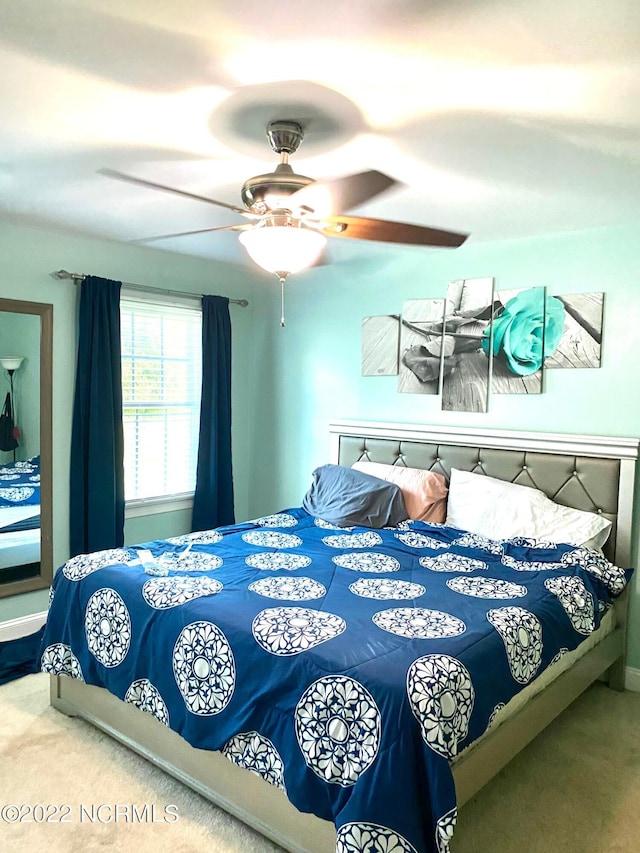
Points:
[[129, 179], [189, 233], [358, 228], [325, 197]]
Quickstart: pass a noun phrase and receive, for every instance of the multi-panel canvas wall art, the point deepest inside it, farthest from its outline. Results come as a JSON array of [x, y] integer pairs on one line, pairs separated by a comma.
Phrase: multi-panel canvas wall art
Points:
[[465, 373], [516, 369], [581, 339], [380, 341], [479, 340], [420, 342]]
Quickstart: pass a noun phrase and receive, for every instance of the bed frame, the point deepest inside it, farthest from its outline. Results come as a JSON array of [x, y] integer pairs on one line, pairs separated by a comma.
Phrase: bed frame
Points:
[[592, 473]]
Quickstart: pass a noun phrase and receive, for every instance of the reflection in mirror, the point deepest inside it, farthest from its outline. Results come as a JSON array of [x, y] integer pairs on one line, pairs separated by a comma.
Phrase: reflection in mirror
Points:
[[25, 446]]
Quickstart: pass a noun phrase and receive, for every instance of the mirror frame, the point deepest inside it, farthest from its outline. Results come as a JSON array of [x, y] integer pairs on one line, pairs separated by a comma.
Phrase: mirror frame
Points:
[[45, 311]]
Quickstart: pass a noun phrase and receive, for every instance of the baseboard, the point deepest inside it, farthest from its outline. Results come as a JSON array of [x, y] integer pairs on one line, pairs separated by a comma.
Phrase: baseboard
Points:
[[13, 629], [632, 679]]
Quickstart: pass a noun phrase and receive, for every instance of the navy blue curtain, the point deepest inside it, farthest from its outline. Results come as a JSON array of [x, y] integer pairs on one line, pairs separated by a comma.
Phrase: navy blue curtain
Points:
[[97, 445], [213, 499]]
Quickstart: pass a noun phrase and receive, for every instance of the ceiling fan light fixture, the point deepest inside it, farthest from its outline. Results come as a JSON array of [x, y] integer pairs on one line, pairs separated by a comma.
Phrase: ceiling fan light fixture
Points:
[[283, 249]]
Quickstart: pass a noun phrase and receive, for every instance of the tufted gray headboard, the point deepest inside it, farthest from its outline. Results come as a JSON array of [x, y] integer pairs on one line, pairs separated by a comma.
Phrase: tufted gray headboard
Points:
[[592, 473]]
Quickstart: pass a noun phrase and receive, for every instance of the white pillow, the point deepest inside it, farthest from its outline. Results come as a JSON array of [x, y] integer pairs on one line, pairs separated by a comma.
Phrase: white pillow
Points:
[[502, 510]]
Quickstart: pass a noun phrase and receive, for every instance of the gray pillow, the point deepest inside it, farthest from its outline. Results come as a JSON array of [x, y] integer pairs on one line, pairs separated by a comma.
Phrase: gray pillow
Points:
[[347, 497]]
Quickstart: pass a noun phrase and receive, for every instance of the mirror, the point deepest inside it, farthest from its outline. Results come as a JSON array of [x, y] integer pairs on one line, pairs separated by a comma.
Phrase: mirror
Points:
[[26, 542]]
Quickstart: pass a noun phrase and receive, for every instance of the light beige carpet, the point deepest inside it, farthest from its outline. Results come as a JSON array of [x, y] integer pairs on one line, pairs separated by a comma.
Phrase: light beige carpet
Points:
[[576, 788]]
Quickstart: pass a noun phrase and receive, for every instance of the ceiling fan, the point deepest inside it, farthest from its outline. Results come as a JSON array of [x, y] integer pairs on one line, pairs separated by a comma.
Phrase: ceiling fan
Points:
[[291, 215]]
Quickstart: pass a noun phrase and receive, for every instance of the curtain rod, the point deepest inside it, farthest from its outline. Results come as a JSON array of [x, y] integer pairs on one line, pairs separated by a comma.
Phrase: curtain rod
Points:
[[79, 277]]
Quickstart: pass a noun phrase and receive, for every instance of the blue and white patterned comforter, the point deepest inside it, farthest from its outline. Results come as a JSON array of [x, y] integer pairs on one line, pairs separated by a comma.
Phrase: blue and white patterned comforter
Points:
[[20, 483], [345, 666]]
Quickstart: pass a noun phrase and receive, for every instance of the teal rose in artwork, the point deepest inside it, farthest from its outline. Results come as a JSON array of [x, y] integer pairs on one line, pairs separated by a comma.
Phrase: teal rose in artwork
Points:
[[527, 331]]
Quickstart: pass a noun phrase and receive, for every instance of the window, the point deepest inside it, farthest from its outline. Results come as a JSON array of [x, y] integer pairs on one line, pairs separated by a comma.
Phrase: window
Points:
[[161, 384]]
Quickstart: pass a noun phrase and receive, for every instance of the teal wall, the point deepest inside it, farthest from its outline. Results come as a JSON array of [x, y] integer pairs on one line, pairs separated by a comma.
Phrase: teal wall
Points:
[[145, 528], [315, 359]]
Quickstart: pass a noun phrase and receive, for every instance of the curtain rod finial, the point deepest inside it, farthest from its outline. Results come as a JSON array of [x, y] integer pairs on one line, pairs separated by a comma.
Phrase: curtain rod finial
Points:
[[64, 274]]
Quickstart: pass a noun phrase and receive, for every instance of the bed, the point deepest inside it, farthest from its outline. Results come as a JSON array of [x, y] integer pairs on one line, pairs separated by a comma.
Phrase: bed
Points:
[[346, 758], [19, 514]]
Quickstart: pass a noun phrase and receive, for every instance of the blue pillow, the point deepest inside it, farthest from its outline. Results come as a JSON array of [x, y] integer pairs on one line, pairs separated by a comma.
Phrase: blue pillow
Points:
[[347, 497]]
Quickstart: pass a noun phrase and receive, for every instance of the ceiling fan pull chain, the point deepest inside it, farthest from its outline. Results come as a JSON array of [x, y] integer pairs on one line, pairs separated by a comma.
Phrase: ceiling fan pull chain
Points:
[[282, 279]]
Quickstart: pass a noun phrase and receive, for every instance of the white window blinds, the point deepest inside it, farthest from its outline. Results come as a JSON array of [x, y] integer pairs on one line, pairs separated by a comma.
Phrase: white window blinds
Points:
[[161, 385]]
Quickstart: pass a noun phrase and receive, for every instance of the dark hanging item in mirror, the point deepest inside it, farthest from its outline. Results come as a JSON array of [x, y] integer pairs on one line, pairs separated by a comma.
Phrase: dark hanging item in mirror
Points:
[[8, 438]]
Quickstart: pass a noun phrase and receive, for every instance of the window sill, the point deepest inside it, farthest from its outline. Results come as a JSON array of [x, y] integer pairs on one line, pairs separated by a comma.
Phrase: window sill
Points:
[[153, 506]]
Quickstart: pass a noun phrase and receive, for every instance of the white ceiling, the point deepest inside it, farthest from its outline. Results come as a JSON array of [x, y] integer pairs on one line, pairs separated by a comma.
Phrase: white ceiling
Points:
[[502, 118]]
